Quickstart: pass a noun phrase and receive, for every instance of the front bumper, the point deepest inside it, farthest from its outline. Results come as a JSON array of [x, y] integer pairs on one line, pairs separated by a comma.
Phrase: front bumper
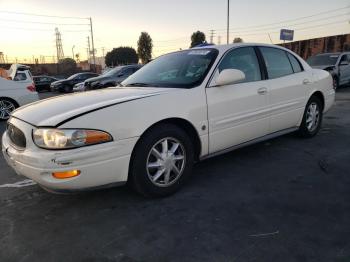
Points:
[[100, 165]]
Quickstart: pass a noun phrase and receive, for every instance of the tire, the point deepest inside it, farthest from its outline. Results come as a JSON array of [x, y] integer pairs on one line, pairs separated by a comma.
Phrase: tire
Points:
[[6, 107], [312, 118], [67, 89], [335, 83], [158, 166]]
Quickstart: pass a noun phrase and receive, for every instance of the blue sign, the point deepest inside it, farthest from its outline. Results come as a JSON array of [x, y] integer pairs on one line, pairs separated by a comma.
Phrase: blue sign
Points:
[[287, 34]]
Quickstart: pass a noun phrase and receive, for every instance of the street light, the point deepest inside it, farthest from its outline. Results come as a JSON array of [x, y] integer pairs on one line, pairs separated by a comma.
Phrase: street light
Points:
[[228, 21], [73, 51]]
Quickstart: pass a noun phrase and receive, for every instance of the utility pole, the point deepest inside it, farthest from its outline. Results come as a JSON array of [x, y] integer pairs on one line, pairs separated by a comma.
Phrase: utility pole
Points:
[[219, 39], [88, 50], [212, 33], [228, 21], [103, 51], [73, 52], [93, 45]]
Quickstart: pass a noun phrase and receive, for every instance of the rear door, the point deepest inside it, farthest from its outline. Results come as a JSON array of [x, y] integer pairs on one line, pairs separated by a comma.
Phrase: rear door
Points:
[[287, 82]]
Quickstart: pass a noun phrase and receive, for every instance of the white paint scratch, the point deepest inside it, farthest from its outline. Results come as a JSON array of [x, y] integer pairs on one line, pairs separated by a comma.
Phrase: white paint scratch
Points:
[[23, 183], [265, 234]]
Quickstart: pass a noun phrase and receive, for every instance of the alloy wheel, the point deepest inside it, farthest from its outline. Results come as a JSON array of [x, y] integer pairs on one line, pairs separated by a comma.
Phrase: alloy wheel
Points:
[[312, 117], [166, 162], [6, 107]]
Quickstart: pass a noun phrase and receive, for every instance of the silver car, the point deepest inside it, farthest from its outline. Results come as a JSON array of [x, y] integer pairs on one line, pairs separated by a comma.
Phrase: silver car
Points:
[[337, 64]]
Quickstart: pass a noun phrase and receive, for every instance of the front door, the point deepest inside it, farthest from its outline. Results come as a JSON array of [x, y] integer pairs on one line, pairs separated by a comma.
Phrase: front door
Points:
[[238, 112]]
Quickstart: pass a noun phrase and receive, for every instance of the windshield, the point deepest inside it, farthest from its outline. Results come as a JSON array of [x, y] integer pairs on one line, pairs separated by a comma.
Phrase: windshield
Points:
[[184, 69], [321, 60], [113, 71]]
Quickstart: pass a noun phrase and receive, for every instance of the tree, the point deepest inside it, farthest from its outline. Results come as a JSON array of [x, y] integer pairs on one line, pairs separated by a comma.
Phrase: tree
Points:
[[144, 47], [238, 40], [121, 56], [197, 38]]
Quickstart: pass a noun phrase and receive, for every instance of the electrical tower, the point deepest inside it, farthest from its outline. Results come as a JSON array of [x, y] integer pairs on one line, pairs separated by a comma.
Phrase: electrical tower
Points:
[[2, 59], [59, 47], [212, 33]]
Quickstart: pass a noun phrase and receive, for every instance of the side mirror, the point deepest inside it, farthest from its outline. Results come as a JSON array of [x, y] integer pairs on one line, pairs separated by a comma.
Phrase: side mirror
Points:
[[344, 63], [229, 76]]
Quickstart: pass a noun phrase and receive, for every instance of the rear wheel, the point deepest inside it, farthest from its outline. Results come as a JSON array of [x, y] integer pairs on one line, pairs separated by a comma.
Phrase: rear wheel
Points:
[[312, 118], [6, 107], [162, 161]]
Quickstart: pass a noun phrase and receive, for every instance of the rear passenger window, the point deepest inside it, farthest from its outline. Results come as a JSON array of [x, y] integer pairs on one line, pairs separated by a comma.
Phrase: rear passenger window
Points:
[[295, 63], [20, 77], [277, 62], [243, 59]]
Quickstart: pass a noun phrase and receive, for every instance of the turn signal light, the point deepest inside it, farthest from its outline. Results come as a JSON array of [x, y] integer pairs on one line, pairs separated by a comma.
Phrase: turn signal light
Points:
[[66, 174]]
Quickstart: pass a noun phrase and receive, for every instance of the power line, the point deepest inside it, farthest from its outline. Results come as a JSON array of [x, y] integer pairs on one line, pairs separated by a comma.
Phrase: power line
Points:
[[290, 20], [52, 16], [297, 29], [36, 22], [289, 25], [43, 30]]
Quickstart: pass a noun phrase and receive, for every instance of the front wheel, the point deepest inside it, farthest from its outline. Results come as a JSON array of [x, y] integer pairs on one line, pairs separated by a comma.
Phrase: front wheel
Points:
[[162, 161], [335, 83], [312, 118], [67, 89], [6, 107]]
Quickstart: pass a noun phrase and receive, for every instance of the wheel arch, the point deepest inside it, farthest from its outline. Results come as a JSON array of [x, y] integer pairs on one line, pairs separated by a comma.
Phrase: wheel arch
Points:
[[182, 123], [11, 99], [320, 96]]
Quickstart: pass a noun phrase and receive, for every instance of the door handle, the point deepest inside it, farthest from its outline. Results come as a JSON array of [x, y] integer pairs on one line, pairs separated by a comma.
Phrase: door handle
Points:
[[306, 81], [262, 91]]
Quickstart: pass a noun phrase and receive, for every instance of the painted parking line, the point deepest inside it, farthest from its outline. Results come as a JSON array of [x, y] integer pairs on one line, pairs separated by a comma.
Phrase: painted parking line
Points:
[[23, 183]]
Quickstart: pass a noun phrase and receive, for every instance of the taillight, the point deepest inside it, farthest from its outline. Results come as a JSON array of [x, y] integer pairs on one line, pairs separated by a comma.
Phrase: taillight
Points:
[[31, 88]]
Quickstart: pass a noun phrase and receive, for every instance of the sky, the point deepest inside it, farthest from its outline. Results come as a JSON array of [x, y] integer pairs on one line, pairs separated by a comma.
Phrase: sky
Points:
[[170, 23]]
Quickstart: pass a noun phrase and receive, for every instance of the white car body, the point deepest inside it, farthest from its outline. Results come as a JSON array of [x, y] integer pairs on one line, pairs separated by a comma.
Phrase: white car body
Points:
[[18, 91], [222, 118]]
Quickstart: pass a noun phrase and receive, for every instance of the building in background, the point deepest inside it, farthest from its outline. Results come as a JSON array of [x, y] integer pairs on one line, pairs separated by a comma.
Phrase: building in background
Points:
[[310, 47]]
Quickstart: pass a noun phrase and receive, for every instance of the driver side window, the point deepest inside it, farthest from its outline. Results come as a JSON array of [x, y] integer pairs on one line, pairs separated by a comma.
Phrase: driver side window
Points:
[[244, 59]]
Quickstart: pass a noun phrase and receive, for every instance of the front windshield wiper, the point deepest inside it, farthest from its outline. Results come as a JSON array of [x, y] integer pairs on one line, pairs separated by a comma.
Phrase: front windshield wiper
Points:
[[141, 84]]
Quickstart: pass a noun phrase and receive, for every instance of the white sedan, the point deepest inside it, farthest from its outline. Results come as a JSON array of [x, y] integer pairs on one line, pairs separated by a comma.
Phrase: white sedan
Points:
[[180, 108]]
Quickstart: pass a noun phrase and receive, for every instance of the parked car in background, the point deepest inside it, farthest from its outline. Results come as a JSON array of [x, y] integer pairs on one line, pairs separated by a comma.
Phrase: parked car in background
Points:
[[43, 82], [20, 73], [337, 64], [112, 78], [14, 94], [66, 85], [80, 87], [180, 108]]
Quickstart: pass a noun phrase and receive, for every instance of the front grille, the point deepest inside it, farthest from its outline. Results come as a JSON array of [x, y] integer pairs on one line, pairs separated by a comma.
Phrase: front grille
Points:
[[16, 136]]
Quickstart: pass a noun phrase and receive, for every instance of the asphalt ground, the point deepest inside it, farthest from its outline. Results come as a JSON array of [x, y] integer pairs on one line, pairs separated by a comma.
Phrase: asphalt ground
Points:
[[287, 199]]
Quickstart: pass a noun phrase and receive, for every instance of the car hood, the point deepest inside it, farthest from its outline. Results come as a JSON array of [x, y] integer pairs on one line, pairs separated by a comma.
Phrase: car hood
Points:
[[99, 79], [60, 82], [53, 111]]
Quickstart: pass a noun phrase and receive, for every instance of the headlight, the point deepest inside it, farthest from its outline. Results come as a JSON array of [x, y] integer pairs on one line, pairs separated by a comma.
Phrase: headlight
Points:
[[68, 138]]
